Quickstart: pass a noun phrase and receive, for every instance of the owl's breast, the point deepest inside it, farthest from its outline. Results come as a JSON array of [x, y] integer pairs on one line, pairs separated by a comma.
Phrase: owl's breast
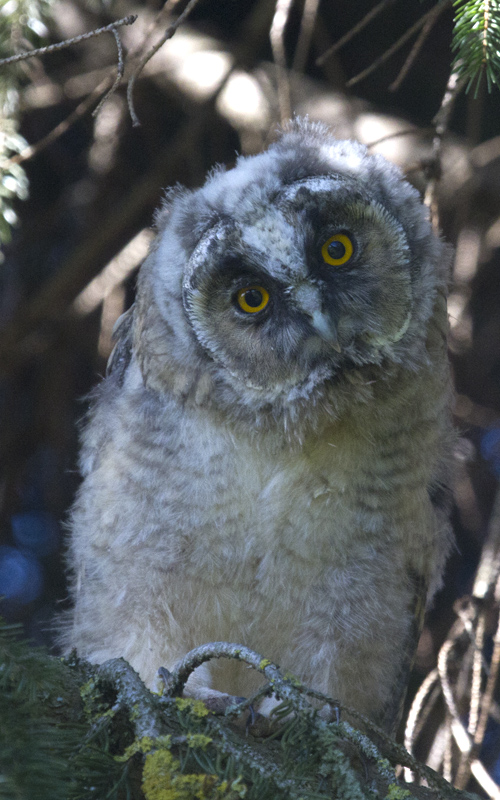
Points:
[[265, 514]]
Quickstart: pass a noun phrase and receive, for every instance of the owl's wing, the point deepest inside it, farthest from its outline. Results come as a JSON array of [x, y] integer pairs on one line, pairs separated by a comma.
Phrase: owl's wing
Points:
[[440, 495], [121, 354], [391, 714]]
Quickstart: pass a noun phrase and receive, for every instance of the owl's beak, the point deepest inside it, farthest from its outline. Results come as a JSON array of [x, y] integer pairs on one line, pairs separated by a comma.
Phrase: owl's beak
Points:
[[309, 300], [326, 329]]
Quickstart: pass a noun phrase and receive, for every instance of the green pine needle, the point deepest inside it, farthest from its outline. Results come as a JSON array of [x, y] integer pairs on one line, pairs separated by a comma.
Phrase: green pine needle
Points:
[[476, 41]]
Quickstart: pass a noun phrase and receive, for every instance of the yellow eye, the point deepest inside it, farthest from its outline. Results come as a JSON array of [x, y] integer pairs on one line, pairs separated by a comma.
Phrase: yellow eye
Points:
[[337, 250], [252, 299]]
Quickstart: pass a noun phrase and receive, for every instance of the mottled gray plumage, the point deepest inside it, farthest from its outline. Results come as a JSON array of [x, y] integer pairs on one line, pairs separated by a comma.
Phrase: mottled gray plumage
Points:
[[274, 477]]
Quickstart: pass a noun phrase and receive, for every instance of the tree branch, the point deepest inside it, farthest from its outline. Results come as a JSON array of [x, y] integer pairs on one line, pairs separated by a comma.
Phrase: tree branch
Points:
[[51, 48], [396, 46], [149, 55]]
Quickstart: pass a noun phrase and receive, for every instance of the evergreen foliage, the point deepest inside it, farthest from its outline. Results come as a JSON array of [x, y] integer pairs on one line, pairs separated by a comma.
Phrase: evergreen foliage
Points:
[[34, 752], [21, 21], [476, 41]]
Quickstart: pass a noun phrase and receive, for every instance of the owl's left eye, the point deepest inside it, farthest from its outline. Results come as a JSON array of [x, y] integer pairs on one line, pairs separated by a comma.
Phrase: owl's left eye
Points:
[[337, 250], [252, 299]]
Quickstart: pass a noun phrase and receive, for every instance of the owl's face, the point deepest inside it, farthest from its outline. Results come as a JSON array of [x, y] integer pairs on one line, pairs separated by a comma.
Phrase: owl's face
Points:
[[316, 281], [299, 266]]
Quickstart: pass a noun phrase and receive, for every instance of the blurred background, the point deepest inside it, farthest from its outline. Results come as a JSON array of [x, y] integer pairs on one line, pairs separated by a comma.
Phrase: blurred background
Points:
[[77, 197]]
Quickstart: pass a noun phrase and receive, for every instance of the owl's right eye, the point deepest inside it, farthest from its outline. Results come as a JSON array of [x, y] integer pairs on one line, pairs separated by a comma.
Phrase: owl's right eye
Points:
[[337, 250], [252, 299]]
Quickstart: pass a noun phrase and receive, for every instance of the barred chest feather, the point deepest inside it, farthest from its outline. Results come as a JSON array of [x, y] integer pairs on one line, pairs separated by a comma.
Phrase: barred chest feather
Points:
[[259, 541]]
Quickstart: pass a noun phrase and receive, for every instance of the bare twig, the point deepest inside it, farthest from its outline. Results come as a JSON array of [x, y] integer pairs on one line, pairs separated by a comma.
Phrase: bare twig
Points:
[[114, 274], [469, 632], [485, 781], [477, 674], [51, 48], [119, 73], [163, 16], [466, 758], [414, 52], [31, 328], [277, 37], [487, 698], [484, 585], [149, 55], [306, 30], [282, 687], [86, 104], [55, 133], [443, 656], [442, 118], [395, 47], [374, 12], [441, 122], [489, 566], [448, 749], [419, 707], [406, 132]]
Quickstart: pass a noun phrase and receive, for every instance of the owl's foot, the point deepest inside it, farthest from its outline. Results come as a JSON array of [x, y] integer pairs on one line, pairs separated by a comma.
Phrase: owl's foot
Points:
[[260, 726], [330, 713], [216, 702]]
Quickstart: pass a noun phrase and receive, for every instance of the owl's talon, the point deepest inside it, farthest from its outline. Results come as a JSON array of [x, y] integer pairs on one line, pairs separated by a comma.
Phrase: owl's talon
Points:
[[164, 675], [217, 702], [259, 726], [252, 716], [329, 709]]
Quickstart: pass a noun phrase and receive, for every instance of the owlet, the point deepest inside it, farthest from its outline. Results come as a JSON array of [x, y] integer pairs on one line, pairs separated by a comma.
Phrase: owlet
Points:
[[267, 460]]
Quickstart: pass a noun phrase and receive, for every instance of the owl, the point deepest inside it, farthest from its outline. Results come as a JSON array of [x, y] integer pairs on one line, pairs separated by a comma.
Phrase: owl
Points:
[[267, 460]]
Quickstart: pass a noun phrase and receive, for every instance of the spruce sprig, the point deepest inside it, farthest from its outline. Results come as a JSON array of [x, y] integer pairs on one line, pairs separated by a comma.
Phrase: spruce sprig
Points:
[[476, 41], [34, 752]]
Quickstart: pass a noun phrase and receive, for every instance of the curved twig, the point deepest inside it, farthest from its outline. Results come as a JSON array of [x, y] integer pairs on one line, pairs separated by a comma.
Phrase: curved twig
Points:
[[487, 698], [414, 723], [281, 686], [374, 12], [119, 73], [306, 30], [414, 52], [395, 47], [277, 37], [149, 55], [441, 122], [62, 127]]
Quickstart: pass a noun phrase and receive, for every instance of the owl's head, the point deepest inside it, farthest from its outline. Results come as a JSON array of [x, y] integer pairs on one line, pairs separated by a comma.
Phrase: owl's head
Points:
[[309, 261]]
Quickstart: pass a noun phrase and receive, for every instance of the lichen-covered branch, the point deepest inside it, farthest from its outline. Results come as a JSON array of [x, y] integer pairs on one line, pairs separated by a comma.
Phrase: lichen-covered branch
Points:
[[98, 731]]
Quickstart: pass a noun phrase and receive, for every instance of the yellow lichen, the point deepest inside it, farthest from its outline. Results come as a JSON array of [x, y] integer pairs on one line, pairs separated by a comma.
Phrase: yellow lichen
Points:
[[198, 740], [264, 663], [93, 703], [395, 792], [143, 745], [161, 780], [291, 678], [235, 787], [196, 707]]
